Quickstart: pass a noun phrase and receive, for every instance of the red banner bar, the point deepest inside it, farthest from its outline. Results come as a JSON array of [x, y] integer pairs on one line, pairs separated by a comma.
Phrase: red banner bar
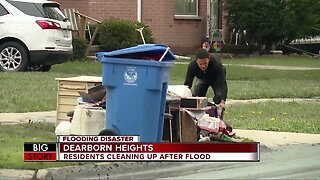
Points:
[[40, 156], [160, 147]]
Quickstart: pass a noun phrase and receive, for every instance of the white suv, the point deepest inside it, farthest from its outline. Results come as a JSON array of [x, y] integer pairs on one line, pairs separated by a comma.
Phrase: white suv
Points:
[[34, 34]]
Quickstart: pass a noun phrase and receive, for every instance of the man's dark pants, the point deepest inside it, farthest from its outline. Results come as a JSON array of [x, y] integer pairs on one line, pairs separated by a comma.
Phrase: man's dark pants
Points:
[[201, 89], [202, 86]]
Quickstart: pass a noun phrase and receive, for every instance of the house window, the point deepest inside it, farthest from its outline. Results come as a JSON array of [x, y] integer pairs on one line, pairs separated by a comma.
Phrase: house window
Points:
[[186, 8]]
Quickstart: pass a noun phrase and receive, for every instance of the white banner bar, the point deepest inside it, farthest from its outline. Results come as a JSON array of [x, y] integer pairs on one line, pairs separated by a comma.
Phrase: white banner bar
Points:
[[97, 139], [201, 157]]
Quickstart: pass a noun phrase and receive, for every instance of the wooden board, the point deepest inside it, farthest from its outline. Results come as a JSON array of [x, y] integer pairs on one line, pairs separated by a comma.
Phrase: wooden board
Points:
[[194, 102], [188, 128], [67, 100], [82, 79]]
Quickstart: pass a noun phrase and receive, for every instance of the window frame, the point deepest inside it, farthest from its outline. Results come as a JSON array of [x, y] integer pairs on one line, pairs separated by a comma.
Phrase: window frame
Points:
[[39, 9], [5, 10], [28, 8], [52, 11], [188, 16]]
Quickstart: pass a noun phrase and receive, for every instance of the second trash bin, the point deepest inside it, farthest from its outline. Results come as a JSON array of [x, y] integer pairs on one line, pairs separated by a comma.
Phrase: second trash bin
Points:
[[136, 85]]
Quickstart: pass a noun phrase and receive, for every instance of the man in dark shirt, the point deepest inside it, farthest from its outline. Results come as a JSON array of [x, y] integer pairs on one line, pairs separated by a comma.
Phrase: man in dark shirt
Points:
[[210, 72]]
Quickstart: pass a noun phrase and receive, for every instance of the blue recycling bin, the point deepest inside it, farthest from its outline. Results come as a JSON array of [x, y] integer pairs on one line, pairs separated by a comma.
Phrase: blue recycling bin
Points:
[[136, 85]]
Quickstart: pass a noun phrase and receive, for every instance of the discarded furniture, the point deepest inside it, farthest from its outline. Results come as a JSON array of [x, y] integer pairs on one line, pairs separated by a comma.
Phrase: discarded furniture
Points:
[[70, 14], [87, 120], [171, 126], [197, 105], [79, 23], [82, 20], [68, 92]]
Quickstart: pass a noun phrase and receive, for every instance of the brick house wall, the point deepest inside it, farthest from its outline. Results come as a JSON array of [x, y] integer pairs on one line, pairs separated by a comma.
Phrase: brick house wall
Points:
[[81, 5], [102, 9], [184, 36]]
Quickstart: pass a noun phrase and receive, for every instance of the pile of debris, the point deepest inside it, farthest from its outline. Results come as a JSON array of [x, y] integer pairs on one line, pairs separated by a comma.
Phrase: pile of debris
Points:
[[95, 96], [207, 116], [211, 126]]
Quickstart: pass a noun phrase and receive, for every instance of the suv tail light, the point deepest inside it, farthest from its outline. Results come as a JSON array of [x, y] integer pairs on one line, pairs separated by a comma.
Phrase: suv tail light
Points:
[[45, 24]]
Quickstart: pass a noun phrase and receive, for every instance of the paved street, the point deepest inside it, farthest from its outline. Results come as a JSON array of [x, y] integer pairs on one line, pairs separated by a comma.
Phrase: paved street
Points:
[[287, 162]]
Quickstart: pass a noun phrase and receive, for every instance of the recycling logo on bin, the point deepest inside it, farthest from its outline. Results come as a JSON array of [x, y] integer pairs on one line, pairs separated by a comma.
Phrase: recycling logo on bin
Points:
[[130, 76]]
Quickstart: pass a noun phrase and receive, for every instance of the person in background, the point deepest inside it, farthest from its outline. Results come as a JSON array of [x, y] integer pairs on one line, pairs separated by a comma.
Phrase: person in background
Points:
[[210, 72], [206, 44]]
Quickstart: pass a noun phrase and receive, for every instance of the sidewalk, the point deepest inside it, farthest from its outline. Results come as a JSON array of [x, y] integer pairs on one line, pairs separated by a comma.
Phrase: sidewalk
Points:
[[273, 138], [15, 118]]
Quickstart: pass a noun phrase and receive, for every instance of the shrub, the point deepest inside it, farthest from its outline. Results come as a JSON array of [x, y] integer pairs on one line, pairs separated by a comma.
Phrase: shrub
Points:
[[80, 46], [118, 33]]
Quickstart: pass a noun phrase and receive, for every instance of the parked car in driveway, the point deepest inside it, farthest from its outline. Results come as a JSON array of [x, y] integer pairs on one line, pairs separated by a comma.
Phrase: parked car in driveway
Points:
[[34, 34]]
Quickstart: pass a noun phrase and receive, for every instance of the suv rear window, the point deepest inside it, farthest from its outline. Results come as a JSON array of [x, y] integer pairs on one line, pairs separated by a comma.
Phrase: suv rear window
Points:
[[52, 11], [3, 11], [46, 10]]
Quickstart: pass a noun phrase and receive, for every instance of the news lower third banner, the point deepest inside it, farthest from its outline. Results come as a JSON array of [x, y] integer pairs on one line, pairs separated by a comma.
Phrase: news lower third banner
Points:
[[128, 148]]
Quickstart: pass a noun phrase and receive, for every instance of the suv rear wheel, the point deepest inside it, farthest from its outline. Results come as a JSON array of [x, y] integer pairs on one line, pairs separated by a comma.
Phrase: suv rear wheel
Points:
[[13, 57]]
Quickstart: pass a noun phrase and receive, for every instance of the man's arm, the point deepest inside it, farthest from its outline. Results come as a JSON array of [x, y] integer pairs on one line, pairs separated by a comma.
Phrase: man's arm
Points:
[[189, 76], [220, 86]]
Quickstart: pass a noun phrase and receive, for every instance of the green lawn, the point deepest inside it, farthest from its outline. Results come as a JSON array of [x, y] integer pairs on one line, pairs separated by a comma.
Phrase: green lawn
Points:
[[275, 116], [12, 138], [253, 83], [36, 91]]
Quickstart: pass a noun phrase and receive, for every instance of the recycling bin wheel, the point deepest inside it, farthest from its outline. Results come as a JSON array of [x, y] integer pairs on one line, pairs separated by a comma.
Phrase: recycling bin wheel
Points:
[[108, 132]]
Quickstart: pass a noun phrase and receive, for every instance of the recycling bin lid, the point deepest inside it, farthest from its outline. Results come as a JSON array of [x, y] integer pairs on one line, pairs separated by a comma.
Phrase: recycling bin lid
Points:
[[147, 49]]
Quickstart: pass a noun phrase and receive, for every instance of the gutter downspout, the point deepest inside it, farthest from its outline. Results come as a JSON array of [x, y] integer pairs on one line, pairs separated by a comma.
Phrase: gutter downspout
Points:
[[139, 10], [208, 18]]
